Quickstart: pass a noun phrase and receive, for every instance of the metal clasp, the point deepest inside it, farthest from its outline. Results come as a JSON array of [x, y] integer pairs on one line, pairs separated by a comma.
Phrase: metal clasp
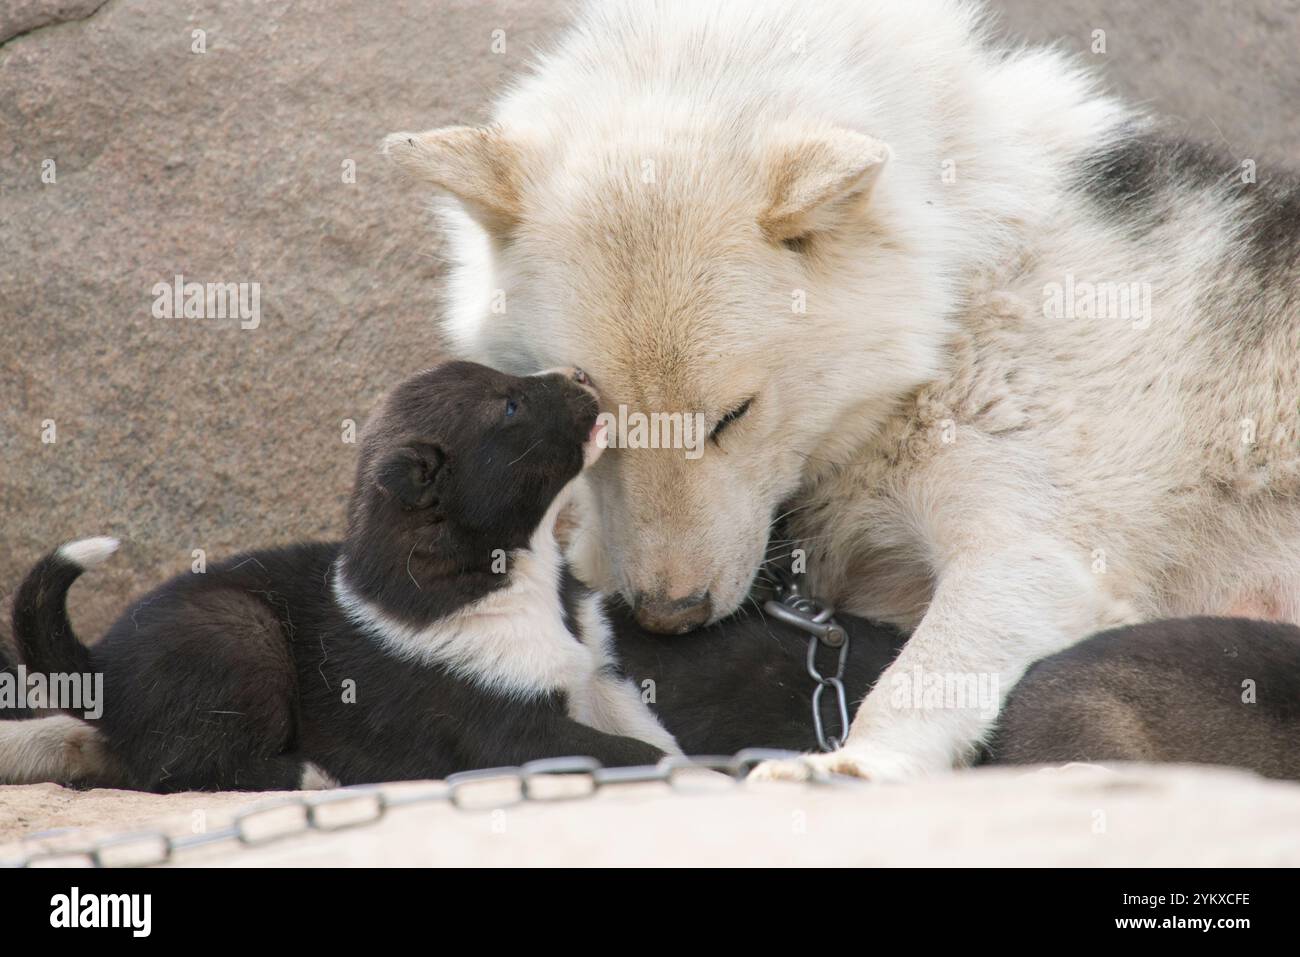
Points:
[[817, 620]]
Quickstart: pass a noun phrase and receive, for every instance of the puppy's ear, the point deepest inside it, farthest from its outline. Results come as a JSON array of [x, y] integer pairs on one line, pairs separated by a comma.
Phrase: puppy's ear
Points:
[[814, 177], [481, 167], [411, 475]]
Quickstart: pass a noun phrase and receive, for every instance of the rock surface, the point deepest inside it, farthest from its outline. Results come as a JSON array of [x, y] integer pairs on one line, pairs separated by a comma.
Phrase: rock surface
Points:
[[23, 16], [228, 166]]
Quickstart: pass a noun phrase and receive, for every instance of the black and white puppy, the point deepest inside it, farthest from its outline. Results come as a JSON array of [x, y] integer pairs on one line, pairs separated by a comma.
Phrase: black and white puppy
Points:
[[441, 634]]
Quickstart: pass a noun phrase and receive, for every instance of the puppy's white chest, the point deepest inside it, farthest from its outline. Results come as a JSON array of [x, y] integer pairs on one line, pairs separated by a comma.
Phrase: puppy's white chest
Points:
[[513, 641]]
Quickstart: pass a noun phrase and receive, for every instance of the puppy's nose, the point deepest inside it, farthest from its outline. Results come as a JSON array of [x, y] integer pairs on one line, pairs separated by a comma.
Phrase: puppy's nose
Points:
[[584, 380], [673, 616], [569, 372], [575, 375]]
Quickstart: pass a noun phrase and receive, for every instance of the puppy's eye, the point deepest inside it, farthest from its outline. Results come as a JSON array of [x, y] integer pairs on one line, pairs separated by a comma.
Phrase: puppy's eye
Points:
[[511, 407], [797, 244], [730, 417]]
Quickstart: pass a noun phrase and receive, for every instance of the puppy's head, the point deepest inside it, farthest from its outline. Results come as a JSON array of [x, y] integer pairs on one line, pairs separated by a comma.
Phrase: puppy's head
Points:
[[463, 463]]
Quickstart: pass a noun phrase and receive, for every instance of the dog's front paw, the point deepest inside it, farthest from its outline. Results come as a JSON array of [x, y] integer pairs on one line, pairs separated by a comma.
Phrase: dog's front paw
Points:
[[865, 762]]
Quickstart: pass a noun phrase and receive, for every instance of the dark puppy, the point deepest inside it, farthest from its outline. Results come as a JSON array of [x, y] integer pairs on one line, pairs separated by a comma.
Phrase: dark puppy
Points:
[[1196, 690], [434, 638], [1187, 690], [743, 682], [9, 673]]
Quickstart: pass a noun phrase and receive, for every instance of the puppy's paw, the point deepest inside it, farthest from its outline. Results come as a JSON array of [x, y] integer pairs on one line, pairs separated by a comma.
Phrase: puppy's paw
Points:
[[865, 762], [86, 756], [315, 778], [59, 749]]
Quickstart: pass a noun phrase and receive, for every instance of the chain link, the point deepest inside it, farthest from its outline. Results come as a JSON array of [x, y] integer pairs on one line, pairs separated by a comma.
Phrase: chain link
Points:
[[537, 782], [817, 620]]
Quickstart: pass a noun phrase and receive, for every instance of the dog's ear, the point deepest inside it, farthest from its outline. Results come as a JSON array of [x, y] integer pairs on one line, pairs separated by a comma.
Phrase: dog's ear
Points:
[[411, 475], [479, 166], [813, 177]]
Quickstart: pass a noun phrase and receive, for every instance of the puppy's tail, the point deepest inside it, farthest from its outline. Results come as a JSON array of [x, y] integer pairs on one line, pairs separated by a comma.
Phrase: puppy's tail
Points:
[[42, 630], [10, 711]]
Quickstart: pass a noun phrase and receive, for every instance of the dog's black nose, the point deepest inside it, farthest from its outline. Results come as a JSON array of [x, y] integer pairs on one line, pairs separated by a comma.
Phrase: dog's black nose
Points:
[[673, 616]]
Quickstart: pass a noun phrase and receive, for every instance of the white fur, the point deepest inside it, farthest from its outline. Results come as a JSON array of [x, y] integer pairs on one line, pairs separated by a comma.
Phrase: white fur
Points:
[[514, 642], [59, 748], [315, 778], [666, 295], [998, 481], [87, 552], [608, 701]]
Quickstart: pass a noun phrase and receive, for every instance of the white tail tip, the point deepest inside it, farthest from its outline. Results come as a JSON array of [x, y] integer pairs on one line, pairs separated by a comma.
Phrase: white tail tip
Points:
[[86, 552]]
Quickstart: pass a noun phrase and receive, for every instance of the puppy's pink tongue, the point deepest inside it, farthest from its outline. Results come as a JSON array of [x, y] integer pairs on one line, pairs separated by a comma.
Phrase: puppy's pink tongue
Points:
[[597, 433]]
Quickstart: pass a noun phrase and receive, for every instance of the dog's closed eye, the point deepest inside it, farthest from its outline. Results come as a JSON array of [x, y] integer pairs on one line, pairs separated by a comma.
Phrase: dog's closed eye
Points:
[[730, 417], [798, 244]]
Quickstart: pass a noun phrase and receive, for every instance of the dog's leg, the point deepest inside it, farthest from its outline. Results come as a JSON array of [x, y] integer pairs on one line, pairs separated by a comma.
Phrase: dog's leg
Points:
[[59, 749], [994, 612]]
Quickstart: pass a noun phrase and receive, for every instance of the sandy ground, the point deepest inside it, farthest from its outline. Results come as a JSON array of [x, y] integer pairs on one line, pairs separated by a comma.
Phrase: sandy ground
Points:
[[36, 811], [1077, 816]]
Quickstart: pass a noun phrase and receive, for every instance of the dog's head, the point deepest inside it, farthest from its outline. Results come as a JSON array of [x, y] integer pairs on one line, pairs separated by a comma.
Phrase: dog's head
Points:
[[463, 463], [757, 285]]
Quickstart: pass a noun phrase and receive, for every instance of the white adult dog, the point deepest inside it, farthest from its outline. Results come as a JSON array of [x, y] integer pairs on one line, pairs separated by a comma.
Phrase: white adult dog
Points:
[[1025, 366]]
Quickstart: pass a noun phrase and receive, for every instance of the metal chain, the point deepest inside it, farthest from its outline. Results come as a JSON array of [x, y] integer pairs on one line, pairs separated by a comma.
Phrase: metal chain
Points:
[[817, 619], [538, 782]]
